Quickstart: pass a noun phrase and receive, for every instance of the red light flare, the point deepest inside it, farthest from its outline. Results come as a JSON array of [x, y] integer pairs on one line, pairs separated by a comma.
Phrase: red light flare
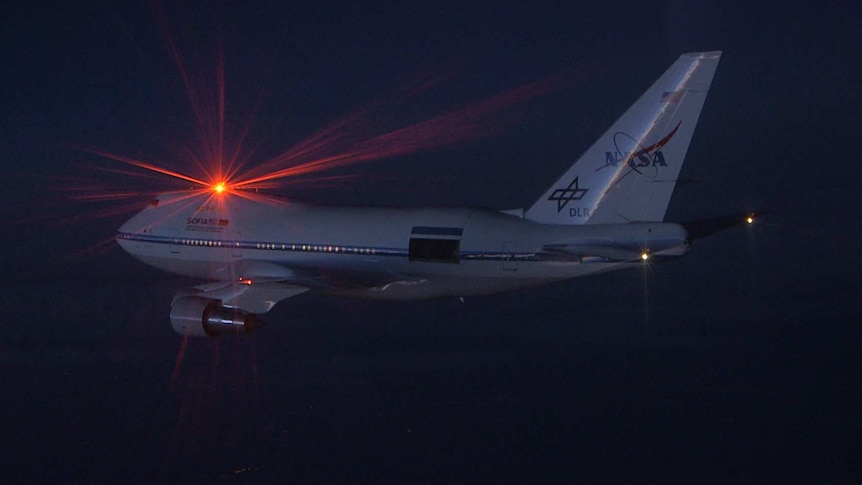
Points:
[[200, 60], [333, 147], [471, 122], [218, 193], [258, 197], [178, 362], [92, 193], [114, 200], [94, 250], [349, 140], [111, 198], [147, 166], [122, 200]]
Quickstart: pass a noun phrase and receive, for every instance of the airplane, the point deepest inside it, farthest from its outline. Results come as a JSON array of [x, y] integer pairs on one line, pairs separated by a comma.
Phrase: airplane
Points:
[[605, 213]]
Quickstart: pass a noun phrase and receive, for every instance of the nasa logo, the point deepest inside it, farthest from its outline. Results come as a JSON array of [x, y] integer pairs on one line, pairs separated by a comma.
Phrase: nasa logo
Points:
[[640, 156], [636, 160]]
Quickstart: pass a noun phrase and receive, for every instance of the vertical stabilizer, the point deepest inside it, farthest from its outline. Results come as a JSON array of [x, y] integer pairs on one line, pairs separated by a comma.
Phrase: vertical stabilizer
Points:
[[630, 172]]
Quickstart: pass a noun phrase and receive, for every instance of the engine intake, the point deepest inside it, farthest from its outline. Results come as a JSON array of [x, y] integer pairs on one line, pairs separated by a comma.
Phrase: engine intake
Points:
[[202, 317]]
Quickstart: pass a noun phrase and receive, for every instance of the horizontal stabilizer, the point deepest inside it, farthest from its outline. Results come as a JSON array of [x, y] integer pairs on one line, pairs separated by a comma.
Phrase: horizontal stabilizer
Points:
[[706, 227]]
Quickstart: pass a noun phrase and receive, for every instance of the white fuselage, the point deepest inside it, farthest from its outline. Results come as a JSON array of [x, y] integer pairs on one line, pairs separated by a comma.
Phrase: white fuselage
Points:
[[258, 251], [387, 253]]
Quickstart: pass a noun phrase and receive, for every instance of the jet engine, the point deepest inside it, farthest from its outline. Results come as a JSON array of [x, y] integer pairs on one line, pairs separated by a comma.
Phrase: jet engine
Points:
[[202, 317]]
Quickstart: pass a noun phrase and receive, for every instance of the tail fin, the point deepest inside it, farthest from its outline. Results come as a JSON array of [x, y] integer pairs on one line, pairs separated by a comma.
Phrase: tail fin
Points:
[[630, 172]]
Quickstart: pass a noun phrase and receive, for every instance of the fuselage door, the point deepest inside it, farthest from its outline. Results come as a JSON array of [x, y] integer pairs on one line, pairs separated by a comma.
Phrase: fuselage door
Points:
[[510, 251], [435, 244], [175, 246]]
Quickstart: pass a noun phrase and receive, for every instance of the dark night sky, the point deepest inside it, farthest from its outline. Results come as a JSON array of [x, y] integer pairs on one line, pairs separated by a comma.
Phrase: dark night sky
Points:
[[738, 362]]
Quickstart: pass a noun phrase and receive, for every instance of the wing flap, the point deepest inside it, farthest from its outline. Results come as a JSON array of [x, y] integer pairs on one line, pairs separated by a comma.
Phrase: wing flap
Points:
[[252, 296]]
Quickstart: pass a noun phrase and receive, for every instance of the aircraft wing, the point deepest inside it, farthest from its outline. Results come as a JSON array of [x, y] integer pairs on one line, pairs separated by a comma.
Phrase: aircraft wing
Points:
[[315, 277], [262, 284], [250, 295]]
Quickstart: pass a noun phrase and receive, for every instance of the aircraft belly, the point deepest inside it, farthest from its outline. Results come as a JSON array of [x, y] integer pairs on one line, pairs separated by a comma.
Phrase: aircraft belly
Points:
[[185, 267], [475, 279]]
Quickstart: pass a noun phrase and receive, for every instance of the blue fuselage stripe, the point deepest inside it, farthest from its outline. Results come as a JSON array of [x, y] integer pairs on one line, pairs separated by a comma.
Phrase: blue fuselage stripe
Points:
[[316, 248]]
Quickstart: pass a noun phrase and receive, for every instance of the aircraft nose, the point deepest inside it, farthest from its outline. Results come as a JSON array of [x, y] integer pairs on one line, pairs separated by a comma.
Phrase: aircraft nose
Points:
[[124, 228], [122, 235], [128, 227], [126, 232], [122, 242], [140, 222]]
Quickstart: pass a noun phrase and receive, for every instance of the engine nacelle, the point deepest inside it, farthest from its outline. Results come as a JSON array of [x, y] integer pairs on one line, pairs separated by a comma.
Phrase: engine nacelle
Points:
[[201, 317]]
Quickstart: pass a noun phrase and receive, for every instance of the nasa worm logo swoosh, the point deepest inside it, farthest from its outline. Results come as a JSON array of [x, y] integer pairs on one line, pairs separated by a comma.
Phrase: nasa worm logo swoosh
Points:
[[640, 158]]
